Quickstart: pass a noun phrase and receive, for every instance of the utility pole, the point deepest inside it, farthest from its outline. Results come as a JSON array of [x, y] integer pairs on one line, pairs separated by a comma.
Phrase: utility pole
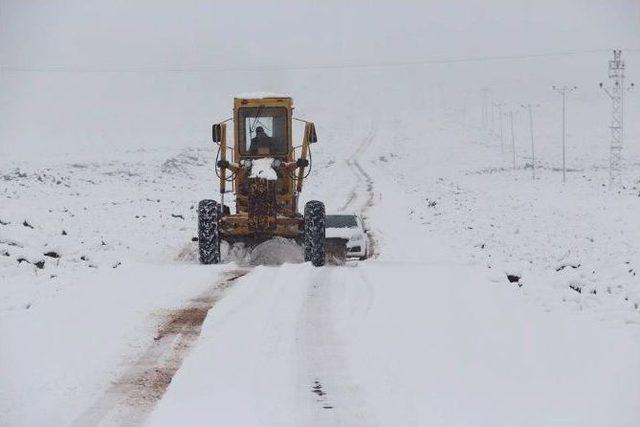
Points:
[[466, 106], [616, 93], [500, 105], [533, 152], [564, 90], [513, 140], [485, 112], [493, 116]]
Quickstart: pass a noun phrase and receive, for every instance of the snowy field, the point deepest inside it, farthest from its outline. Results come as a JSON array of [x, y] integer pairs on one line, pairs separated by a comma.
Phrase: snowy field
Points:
[[430, 322], [490, 298]]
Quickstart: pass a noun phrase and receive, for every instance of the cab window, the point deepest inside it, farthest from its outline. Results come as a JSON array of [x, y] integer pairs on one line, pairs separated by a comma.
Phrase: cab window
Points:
[[262, 131], [341, 221]]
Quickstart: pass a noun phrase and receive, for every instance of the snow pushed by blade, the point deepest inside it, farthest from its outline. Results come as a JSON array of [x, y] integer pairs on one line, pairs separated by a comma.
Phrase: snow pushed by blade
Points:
[[275, 251]]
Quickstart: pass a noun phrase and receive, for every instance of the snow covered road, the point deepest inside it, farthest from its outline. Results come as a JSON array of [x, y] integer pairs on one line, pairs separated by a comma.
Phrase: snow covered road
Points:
[[144, 382], [384, 343], [104, 350]]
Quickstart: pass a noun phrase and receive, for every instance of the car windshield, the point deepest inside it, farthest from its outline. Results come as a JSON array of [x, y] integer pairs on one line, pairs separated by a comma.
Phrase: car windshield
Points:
[[341, 221], [263, 131]]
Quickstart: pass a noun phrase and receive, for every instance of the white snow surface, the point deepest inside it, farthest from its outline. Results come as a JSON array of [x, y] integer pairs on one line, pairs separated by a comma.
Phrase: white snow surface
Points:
[[261, 168], [261, 95], [388, 347], [427, 332]]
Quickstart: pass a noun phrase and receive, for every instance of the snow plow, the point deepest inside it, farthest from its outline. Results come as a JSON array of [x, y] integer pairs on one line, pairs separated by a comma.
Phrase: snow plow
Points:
[[265, 172]]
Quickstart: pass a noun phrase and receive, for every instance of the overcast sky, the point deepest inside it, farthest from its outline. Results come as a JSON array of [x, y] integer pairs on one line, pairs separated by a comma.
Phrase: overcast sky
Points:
[[157, 33], [87, 73]]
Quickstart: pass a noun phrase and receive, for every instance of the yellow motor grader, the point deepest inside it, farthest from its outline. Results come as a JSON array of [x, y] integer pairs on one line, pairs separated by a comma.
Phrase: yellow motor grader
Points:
[[265, 172]]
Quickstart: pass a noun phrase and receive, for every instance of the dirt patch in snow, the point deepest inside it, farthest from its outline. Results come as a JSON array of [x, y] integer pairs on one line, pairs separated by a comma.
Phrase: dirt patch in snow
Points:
[[186, 320], [132, 397]]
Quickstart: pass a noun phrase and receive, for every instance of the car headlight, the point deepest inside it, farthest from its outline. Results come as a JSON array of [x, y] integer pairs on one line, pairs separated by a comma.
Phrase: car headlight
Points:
[[276, 163], [356, 237], [247, 163]]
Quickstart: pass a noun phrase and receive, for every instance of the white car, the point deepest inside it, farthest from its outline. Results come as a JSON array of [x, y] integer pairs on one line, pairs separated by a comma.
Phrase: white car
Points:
[[350, 227]]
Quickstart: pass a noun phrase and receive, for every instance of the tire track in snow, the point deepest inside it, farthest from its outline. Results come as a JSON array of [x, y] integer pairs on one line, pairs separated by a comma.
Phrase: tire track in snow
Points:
[[328, 394], [132, 396], [364, 181]]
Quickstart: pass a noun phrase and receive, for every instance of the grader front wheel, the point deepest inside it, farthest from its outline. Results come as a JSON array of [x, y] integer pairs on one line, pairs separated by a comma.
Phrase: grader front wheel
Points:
[[314, 233]]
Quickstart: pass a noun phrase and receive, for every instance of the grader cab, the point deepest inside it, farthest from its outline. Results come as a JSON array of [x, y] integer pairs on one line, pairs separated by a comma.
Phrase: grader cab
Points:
[[265, 172]]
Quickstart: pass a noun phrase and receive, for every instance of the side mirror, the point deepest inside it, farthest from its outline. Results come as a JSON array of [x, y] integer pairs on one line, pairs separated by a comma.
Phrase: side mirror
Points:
[[311, 133], [216, 132]]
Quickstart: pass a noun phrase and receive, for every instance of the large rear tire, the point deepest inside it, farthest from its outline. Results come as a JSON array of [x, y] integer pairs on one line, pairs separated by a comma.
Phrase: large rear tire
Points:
[[209, 231], [314, 232]]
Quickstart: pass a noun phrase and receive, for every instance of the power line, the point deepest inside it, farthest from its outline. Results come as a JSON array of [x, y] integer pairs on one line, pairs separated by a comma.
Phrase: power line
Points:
[[194, 68]]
